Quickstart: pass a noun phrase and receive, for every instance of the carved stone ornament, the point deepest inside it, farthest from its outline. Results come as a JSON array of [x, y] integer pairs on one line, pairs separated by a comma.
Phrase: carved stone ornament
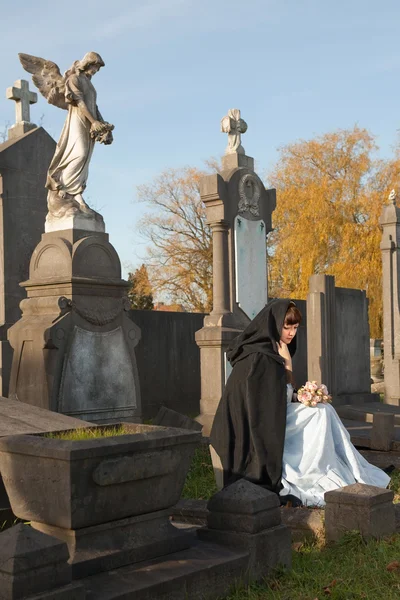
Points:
[[234, 126], [249, 194], [392, 197], [98, 316]]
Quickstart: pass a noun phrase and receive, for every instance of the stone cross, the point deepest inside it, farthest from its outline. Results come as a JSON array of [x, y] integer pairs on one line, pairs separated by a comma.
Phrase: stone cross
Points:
[[234, 126], [23, 98]]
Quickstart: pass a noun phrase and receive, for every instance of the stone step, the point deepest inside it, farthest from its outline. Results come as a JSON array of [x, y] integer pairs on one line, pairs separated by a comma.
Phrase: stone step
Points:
[[365, 412], [204, 571], [360, 433]]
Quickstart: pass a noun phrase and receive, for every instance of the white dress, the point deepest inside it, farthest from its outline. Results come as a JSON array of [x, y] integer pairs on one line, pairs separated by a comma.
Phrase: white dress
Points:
[[318, 455]]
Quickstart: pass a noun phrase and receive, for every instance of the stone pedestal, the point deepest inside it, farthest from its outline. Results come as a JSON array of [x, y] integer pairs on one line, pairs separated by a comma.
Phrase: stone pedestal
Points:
[[238, 209], [117, 543], [390, 247], [358, 507], [35, 565], [244, 515], [74, 345]]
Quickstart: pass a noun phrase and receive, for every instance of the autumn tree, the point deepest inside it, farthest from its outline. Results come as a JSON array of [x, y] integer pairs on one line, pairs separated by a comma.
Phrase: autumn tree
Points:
[[140, 293], [330, 193], [180, 252]]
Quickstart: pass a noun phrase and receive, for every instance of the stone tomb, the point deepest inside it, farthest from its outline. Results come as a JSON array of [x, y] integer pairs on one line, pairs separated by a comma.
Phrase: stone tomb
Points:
[[99, 511]]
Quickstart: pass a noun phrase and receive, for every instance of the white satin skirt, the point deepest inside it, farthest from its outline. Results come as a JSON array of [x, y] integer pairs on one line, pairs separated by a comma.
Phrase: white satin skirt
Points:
[[319, 456]]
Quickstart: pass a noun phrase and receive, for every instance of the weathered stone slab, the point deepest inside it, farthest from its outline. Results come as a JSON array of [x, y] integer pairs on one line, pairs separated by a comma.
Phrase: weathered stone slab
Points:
[[361, 434], [170, 418], [31, 563], [118, 543], [366, 411], [73, 591], [204, 571], [359, 507], [381, 459], [19, 418]]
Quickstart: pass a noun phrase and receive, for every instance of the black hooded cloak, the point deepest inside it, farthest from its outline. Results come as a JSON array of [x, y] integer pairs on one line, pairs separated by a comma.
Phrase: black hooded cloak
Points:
[[248, 432]]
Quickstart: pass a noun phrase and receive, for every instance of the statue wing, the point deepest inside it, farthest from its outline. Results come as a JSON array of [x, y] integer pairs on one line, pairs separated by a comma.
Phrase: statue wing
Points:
[[47, 78]]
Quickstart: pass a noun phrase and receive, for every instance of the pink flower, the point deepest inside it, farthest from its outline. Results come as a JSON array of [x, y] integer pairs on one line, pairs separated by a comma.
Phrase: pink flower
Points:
[[324, 389], [311, 386], [314, 403]]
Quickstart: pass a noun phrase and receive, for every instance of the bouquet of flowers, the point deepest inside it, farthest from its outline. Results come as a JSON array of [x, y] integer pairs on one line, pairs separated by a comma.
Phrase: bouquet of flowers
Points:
[[311, 394]]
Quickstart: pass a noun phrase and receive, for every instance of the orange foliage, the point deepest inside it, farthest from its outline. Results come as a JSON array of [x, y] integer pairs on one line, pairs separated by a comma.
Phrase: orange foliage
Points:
[[330, 193]]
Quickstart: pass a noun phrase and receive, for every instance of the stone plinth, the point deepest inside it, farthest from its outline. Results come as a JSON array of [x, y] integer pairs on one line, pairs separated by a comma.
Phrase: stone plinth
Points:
[[358, 507], [238, 210], [244, 515], [24, 161], [35, 564], [390, 245], [78, 221], [74, 345]]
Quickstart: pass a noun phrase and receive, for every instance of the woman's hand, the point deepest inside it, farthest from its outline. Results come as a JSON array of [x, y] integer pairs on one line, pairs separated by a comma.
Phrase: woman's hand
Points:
[[284, 352]]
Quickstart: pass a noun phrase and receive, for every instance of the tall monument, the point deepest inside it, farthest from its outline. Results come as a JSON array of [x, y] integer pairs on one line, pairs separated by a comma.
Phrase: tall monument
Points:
[[74, 345], [390, 247], [24, 160], [238, 210]]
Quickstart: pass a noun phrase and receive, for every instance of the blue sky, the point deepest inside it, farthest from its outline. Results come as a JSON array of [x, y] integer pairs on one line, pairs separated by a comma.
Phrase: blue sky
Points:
[[295, 68]]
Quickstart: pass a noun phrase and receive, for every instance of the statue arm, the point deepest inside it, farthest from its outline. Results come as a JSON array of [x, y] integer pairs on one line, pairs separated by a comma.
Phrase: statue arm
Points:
[[99, 117], [74, 95], [83, 109]]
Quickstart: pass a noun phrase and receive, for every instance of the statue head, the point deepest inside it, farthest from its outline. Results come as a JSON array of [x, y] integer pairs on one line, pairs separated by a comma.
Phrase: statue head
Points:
[[90, 62]]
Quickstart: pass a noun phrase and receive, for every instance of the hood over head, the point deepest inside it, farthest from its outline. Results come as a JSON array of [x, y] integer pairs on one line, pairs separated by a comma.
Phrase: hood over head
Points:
[[263, 333]]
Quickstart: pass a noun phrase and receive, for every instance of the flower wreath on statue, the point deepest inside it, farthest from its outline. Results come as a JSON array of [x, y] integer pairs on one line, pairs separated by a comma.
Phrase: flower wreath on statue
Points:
[[101, 132]]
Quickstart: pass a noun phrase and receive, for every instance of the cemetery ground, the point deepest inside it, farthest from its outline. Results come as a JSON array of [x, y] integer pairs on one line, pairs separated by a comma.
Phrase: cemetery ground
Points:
[[352, 569]]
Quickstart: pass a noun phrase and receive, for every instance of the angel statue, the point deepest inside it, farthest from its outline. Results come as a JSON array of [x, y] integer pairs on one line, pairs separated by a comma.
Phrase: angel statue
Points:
[[69, 168]]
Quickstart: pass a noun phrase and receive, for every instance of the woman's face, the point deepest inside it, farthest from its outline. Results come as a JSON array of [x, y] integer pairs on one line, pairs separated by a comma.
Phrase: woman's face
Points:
[[288, 332]]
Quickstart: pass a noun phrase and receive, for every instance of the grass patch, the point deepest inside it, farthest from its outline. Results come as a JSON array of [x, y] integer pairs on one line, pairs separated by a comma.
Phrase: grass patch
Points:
[[353, 569], [88, 433], [200, 481]]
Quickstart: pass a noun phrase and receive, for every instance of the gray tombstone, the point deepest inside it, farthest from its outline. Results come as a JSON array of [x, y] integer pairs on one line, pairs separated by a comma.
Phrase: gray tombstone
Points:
[[338, 351], [24, 160]]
